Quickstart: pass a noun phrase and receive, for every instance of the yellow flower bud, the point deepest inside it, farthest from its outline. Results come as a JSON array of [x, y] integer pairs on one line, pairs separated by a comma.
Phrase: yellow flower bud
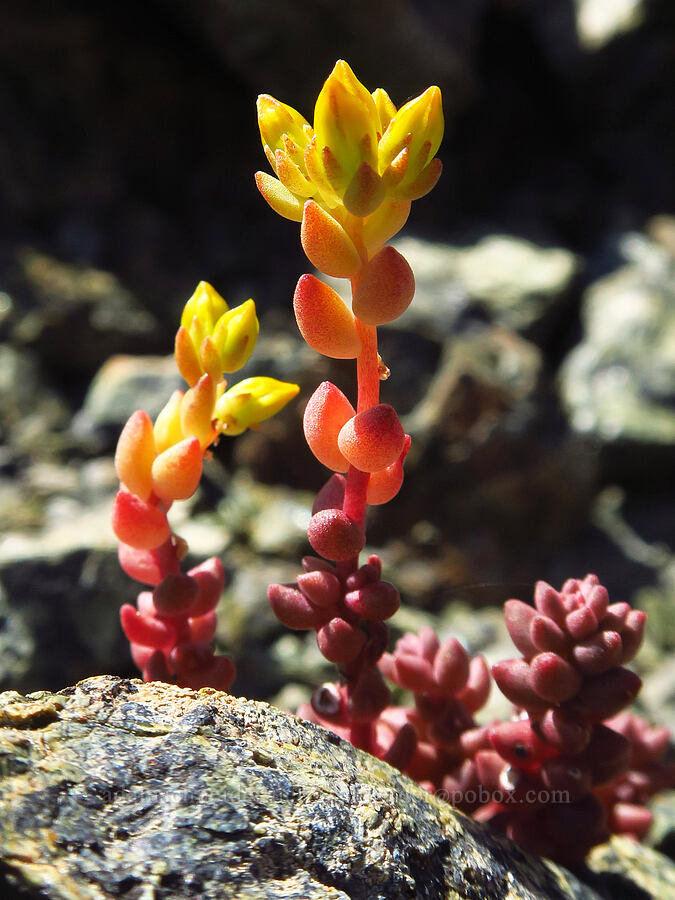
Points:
[[417, 127], [345, 121], [251, 401], [276, 119], [235, 336], [201, 313]]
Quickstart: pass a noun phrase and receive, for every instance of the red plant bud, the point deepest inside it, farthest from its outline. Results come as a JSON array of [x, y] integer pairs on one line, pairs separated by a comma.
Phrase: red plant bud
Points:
[[518, 617], [177, 471], [607, 755], [598, 600], [372, 439], [548, 602], [320, 588], [384, 288], [149, 632], [314, 564], [326, 412], [331, 495], [293, 609], [581, 623], [475, 692], [565, 774], [334, 535], [202, 628], [427, 763], [429, 644], [137, 523], [632, 634], [175, 595], [210, 578], [366, 574], [374, 602], [546, 635], [324, 320], [401, 749], [599, 653], [571, 586], [615, 617], [605, 695], [148, 566], [413, 673], [563, 731], [339, 641], [367, 696], [451, 666], [516, 743], [513, 679], [553, 678]]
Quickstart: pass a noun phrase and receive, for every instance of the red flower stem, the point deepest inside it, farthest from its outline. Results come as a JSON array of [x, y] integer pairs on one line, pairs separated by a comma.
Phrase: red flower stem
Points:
[[368, 379]]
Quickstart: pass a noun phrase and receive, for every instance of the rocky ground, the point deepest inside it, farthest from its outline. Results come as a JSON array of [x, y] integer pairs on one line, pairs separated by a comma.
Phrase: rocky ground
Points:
[[535, 368]]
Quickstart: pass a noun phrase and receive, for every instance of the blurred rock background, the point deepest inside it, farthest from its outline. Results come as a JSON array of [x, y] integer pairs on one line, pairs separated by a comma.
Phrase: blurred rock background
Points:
[[535, 368]]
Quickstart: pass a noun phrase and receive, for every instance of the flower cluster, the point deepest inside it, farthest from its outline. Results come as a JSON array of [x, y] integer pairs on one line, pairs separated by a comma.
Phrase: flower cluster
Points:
[[557, 752], [361, 153], [350, 180], [171, 627], [648, 773]]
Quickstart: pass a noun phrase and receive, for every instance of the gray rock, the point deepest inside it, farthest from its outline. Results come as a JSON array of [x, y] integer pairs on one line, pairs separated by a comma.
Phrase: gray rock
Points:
[[516, 280], [115, 785], [76, 316], [618, 384]]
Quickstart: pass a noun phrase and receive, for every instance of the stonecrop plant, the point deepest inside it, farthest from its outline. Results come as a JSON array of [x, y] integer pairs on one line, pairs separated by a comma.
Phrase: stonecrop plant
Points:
[[571, 765], [172, 626]]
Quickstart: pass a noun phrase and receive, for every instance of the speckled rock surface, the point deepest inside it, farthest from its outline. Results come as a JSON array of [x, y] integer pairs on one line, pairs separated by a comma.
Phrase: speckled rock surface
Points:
[[119, 788]]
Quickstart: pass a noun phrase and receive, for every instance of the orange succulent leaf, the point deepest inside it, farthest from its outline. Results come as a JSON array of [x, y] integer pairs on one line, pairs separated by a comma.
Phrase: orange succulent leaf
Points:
[[385, 288], [373, 439], [384, 485], [176, 472], [137, 523], [327, 244], [135, 454], [324, 320], [325, 414]]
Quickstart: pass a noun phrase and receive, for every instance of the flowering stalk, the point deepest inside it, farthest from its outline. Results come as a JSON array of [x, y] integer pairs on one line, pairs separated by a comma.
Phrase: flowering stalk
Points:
[[349, 181], [172, 626]]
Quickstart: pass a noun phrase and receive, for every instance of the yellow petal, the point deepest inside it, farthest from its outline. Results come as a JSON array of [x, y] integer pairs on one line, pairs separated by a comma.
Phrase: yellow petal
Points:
[[279, 197]]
